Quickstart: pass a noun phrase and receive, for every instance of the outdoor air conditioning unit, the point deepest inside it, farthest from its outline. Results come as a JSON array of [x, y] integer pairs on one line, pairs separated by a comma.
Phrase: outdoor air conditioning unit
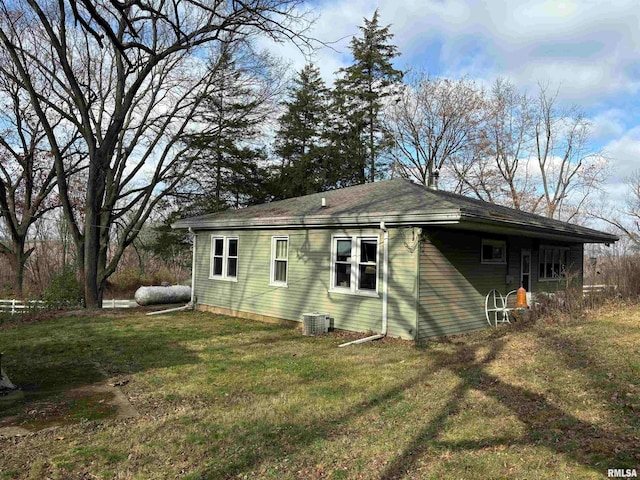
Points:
[[315, 323]]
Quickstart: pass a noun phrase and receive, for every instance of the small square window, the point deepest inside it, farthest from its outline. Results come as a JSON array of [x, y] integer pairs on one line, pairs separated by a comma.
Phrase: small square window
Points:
[[494, 251], [355, 265]]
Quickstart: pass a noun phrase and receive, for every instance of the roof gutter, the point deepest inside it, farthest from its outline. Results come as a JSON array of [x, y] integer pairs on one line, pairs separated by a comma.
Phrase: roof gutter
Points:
[[562, 235], [442, 217]]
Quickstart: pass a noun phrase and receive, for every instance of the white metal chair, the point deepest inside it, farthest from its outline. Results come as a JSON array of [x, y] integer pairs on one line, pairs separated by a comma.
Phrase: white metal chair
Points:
[[496, 307]]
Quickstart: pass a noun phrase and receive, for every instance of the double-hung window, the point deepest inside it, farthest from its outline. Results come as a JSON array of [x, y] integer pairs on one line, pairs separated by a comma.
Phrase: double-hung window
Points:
[[224, 258], [552, 262], [279, 260], [354, 266]]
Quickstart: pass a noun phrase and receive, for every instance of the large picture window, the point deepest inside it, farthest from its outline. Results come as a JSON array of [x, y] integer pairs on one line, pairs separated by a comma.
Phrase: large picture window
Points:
[[279, 260], [552, 262], [224, 258], [355, 264], [493, 251]]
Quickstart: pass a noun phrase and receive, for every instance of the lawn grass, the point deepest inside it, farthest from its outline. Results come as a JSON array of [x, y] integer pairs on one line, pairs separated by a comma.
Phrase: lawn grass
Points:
[[220, 397]]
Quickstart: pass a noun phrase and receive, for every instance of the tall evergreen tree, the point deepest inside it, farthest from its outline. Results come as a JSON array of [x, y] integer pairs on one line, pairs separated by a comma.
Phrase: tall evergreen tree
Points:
[[229, 156], [345, 146], [300, 140], [361, 88]]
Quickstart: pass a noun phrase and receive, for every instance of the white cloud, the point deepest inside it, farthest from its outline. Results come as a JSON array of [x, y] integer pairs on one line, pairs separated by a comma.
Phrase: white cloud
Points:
[[624, 153], [608, 124], [588, 46]]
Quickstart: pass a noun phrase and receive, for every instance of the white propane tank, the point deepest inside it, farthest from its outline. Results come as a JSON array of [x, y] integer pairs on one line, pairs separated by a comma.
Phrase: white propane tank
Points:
[[160, 295]]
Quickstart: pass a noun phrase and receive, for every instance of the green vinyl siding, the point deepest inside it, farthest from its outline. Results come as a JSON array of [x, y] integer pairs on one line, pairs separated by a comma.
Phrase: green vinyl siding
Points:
[[403, 281], [454, 282], [437, 282], [308, 280]]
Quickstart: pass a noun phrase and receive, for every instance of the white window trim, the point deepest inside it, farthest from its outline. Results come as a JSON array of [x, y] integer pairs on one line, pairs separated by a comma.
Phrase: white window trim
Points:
[[494, 243], [552, 247], [225, 258], [355, 271], [272, 280]]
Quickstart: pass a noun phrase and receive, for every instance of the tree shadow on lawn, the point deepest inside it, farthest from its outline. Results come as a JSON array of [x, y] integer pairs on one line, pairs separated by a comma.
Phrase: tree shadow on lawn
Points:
[[546, 425], [257, 443], [47, 358]]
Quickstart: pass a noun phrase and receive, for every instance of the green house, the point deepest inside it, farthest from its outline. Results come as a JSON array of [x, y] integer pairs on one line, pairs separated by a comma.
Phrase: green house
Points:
[[390, 257]]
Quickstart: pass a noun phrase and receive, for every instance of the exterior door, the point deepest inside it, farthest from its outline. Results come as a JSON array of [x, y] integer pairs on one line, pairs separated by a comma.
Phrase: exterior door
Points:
[[525, 270]]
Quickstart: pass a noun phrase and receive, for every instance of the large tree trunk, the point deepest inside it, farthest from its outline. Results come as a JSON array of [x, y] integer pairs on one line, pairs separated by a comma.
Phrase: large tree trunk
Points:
[[21, 260], [18, 259], [92, 222]]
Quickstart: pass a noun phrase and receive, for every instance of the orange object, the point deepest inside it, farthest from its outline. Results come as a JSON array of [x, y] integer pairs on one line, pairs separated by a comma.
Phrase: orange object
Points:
[[521, 298]]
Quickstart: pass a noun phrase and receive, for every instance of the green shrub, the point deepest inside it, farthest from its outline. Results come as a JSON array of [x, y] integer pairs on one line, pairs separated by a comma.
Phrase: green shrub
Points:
[[63, 291]]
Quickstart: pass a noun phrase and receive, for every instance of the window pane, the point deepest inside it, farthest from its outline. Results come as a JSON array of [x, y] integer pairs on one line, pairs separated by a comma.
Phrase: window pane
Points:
[[219, 243], [233, 247], [487, 252], [232, 267], [368, 250], [343, 253], [281, 249], [280, 274], [497, 253], [343, 275], [217, 265], [367, 277]]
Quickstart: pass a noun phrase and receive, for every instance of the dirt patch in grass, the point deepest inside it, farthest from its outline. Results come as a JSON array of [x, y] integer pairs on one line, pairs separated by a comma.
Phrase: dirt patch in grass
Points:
[[84, 404]]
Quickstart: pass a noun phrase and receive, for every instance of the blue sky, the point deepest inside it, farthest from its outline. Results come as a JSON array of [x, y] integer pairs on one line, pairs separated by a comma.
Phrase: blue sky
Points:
[[589, 49]]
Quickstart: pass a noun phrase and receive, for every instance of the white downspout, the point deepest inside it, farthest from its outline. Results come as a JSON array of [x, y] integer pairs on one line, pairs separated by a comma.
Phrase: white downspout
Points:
[[385, 291], [193, 268], [385, 279]]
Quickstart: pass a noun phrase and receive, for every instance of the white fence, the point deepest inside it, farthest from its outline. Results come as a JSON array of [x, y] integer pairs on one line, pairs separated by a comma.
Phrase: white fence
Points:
[[18, 306], [593, 289], [119, 303]]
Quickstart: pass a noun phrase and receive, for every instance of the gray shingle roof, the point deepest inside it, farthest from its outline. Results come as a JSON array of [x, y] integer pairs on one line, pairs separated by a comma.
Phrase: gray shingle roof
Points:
[[396, 202]]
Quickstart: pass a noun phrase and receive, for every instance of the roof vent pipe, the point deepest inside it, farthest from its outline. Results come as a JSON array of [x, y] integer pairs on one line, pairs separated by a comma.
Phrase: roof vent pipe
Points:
[[324, 202], [433, 179]]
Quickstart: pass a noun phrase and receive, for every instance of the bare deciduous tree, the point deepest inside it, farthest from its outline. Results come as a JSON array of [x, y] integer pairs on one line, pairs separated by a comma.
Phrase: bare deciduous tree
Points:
[[569, 169], [498, 172], [433, 123], [529, 154], [128, 77], [628, 221], [27, 174]]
